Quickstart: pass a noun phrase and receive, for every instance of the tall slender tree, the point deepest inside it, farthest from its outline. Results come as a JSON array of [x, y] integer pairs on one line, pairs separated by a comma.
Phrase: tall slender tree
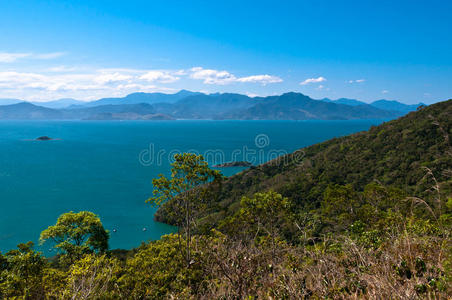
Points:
[[184, 189]]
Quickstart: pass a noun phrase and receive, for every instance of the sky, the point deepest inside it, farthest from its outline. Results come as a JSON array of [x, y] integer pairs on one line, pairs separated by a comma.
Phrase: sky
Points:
[[364, 50]]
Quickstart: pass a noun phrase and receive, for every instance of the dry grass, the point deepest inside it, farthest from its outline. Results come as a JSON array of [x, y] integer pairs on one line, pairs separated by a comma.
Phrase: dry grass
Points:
[[407, 267]]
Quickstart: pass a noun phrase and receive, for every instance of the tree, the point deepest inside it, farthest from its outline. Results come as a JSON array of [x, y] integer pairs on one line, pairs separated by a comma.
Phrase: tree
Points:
[[183, 189], [158, 270], [77, 234], [339, 206], [21, 273], [92, 277], [266, 211]]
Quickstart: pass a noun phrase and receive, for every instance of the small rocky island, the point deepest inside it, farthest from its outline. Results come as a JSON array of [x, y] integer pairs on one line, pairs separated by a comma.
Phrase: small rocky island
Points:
[[234, 164], [44, 138]]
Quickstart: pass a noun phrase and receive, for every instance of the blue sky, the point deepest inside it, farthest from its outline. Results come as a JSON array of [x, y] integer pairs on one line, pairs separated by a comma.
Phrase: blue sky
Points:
[[366, 50]]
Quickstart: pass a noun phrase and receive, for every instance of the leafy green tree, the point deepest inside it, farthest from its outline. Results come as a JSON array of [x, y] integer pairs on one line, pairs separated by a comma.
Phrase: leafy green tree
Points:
[[265, 211], [55, 281], [77, 234], [183, 189], [383, 197], [340, 205], [377, 201], [21, 273], [158, 270], [92, 277]]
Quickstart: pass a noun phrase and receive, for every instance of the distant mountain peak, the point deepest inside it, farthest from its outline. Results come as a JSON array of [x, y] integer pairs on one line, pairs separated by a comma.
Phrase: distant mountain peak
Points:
[[186, 92], [346, 101], [395, 105], [9, 101], [293, 94], [22, 104]]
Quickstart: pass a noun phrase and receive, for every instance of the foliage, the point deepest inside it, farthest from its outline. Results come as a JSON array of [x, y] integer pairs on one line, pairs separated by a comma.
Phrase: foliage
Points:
[[392, 154], [91, 276], [158, 269], [189, 171], [22, 273], [77, 234], [262, 215]]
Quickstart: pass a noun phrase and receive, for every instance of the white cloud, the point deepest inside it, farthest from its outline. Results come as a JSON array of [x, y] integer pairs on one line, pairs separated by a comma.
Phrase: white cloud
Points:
[[12, 57], [135, 87], [210, 76], [356, 81], [384, 91], [252, 95], [62, 69], [313, 80], [48, 55], [263, 79], [160, 76], [180, 72], [86, 83], [83, 86], [111, 77], [6, 57], [62, 82], [11, 79]]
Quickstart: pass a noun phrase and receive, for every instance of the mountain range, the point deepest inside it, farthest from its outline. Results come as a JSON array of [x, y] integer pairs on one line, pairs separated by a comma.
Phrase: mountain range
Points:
[[382, 104], [194, 105]]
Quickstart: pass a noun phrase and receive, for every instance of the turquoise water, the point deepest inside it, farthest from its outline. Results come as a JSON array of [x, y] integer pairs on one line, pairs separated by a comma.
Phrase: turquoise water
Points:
[[107, 167]]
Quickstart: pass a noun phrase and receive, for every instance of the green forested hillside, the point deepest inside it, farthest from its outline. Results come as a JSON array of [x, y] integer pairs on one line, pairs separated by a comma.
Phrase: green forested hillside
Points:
[[396, 153]]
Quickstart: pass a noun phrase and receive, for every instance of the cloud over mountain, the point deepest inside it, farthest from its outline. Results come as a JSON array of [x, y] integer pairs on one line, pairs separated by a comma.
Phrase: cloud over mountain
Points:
[[90, 83], [313, 80], [210, 76]]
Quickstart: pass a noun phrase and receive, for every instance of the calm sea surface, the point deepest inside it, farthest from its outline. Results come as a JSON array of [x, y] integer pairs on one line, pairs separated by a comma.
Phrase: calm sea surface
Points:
[[107, 167]]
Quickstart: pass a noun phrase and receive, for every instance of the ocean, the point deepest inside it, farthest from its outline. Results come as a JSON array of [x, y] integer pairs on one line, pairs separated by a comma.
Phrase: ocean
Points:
[[107, 167]]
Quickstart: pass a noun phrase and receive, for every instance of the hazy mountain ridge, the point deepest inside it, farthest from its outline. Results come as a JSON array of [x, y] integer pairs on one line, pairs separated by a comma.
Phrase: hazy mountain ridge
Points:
[[149, 98], [296, 106], [194, 105], [60, 103], [347, 101], [28, 111], [9, 101], [395, 105], [391, 105]]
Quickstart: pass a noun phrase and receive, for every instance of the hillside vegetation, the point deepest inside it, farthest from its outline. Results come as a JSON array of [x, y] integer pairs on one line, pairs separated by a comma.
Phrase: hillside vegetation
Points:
[[368, 216], [398, 153]]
